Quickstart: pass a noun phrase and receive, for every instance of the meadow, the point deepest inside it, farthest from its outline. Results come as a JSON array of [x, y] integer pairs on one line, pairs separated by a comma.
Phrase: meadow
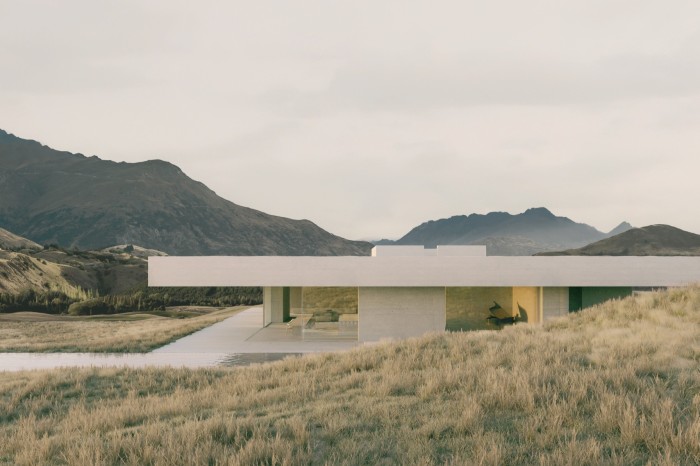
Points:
[[133, 332], [615, 384]]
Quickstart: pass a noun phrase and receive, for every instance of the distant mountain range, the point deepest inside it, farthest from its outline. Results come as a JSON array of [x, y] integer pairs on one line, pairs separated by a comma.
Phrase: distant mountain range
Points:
[[71, 200], [535, 230], [54, 197], [653, 240]]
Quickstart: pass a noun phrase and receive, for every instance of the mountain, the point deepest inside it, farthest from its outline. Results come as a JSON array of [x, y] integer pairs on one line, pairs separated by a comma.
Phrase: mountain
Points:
[[621, 228], [9, 240], [530, 232], [511, 246], [653, 240], [88, 203]]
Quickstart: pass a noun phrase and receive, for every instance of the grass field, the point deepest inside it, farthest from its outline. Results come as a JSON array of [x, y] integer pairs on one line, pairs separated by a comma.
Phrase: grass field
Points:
[[615, 384], [116, 333]]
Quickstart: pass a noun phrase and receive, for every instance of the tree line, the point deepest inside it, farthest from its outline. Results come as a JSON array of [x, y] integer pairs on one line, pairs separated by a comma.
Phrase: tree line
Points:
[[141, 299]]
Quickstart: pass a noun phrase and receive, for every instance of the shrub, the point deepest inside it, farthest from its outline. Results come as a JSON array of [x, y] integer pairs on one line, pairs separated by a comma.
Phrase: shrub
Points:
[[91, 307]]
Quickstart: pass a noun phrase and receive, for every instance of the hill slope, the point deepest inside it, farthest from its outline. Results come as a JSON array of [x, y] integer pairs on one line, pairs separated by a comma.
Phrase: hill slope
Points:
[[71, 272], [89, 203], [653, 240], [9, 240], [616, 384], [532, 231], [114, 280]]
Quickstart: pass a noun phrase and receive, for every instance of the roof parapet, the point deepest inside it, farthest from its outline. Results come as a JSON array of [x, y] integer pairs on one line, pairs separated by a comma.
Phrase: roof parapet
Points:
[[417, 251], [461, 250]]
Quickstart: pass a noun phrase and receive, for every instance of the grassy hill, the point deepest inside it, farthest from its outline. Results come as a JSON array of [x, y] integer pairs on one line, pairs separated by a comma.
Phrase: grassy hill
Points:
[[72, 272], [68, 199], [20, 272], [615, 384], [653, 240], [9, 240], [113, 280]]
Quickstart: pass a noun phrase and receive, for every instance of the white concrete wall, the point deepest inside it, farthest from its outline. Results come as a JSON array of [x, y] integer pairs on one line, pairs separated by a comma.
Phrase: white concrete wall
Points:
[[556, 302], [402, 251], [395, 312], [273, 304]]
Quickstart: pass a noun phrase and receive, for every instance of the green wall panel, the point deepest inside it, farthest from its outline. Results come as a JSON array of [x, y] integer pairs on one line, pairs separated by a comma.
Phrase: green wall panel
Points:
[[596, 295], [575, 298]]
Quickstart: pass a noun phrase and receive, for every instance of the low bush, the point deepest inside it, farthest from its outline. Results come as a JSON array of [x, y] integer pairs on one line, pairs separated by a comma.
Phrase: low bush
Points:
[[91, 307]]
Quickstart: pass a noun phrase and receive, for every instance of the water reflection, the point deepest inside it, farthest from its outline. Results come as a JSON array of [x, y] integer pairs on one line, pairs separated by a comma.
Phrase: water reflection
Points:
[[14, 362], [246, 359]]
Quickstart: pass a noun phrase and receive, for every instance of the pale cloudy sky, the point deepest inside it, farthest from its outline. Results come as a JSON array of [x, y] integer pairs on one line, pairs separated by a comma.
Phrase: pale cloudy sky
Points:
[[370, 117]]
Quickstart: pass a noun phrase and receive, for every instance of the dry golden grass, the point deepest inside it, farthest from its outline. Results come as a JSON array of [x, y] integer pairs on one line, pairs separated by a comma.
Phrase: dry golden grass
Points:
[[616, 384], [19, 271], [119, 333]]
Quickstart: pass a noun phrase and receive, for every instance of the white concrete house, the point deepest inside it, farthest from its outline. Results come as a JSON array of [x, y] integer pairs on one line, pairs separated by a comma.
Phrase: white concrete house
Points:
[[403, 291]]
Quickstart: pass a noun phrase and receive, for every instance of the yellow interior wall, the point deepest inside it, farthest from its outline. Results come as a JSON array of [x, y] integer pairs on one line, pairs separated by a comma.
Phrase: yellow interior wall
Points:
[[528, 297]]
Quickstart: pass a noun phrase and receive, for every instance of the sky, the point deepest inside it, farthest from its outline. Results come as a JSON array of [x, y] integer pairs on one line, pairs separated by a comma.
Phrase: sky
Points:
[[371, 117]]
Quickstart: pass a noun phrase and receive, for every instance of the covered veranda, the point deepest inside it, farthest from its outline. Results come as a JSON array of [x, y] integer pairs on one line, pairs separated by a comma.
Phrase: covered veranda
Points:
[[404, 291]]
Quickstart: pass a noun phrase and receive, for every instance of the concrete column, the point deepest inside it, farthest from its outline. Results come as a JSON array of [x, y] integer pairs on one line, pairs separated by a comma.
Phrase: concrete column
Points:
[[398, 312], [267, 300], [295, 299], [273, 305], [285, 304]]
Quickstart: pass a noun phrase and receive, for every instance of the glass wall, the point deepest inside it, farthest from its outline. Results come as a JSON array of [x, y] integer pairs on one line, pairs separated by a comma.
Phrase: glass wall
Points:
[[556, 302], [583, 297], [329, 313], [478, 308]]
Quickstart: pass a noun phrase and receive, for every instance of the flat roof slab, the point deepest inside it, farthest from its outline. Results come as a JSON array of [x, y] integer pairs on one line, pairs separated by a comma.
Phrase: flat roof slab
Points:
[[423, 271]]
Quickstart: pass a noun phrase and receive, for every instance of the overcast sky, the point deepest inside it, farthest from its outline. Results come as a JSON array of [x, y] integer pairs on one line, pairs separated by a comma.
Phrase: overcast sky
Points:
[[370, 117]]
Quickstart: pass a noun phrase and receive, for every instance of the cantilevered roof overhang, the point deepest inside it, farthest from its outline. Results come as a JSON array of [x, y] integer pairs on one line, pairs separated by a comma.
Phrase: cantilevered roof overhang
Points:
[[423, 271]]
